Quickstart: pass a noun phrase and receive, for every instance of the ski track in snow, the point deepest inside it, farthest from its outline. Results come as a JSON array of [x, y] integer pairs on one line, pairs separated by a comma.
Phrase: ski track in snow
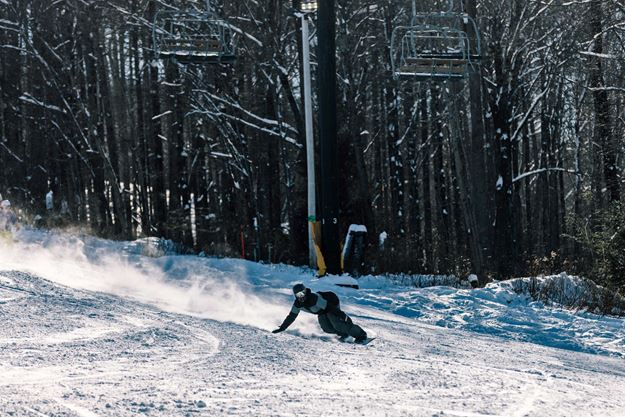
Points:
[[67, 351]]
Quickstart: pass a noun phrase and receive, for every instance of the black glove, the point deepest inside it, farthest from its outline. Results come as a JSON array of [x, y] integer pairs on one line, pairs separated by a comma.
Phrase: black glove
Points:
[[278, 330]]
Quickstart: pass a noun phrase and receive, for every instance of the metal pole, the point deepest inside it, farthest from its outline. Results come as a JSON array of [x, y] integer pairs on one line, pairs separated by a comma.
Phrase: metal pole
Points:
[[326, 83], [310, 143]]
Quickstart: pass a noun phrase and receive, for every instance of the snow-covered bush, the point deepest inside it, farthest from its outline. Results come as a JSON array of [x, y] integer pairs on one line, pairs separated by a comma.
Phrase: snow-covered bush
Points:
[[571, 292], [154, 247], [423, 281]]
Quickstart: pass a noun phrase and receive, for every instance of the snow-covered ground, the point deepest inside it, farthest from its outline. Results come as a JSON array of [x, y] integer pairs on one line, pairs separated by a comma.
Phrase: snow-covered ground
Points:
[[95, 328]]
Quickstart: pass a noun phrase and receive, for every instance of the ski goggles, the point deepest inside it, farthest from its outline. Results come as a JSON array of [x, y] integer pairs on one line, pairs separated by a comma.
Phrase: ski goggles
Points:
[[300, 295]]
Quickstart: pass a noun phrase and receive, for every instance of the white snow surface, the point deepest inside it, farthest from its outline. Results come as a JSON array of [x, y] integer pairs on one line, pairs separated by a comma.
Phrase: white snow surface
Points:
[[96, 328]]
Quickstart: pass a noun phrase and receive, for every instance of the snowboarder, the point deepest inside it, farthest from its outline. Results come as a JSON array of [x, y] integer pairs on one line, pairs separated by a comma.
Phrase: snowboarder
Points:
[[326, 305]]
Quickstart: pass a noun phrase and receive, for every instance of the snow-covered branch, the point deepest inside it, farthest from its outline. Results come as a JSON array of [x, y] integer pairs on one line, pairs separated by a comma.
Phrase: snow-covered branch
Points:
[[540, 171]]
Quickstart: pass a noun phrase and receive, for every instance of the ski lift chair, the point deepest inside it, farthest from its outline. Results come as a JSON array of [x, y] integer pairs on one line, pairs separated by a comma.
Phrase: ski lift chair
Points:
[[193, 37], [435, 46]]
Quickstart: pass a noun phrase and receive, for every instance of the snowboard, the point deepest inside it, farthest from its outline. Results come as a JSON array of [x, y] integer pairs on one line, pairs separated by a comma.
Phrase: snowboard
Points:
[[366, 341], [351, 340]]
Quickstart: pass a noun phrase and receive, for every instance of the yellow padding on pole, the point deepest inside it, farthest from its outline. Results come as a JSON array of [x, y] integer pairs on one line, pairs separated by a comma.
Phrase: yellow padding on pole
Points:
[[321, 263]]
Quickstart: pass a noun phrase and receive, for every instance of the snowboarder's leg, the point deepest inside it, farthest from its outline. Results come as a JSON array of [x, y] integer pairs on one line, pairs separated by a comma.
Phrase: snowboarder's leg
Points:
[[344, 325], [326, 324]]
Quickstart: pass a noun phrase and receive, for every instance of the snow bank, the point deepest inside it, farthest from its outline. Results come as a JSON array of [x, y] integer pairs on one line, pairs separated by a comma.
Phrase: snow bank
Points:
[[569, 291]]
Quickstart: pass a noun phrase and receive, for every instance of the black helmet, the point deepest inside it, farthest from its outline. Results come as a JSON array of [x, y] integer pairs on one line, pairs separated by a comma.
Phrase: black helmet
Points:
[[299, 290]]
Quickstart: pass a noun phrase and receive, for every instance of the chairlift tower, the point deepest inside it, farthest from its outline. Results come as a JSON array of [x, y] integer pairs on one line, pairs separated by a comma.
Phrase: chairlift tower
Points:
[[193, 37], [436, 45], [328, 150]]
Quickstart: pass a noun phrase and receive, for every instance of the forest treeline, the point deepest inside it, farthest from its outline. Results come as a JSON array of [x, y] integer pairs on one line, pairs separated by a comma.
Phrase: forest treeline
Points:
[[515, 170]]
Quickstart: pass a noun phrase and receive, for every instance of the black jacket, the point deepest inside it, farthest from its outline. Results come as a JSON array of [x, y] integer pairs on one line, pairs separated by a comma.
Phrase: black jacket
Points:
[[322, 302]]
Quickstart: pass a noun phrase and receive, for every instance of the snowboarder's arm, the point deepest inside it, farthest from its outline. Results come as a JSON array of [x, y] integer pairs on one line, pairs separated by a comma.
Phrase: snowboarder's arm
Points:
[[288, 320]]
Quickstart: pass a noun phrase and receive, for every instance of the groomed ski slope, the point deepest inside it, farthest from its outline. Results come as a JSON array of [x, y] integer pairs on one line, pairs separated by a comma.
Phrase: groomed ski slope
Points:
[[94, 328]]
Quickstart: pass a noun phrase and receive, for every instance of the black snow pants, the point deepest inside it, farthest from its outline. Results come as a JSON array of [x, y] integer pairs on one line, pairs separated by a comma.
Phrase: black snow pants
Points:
[[338, 322], [335, 321]]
